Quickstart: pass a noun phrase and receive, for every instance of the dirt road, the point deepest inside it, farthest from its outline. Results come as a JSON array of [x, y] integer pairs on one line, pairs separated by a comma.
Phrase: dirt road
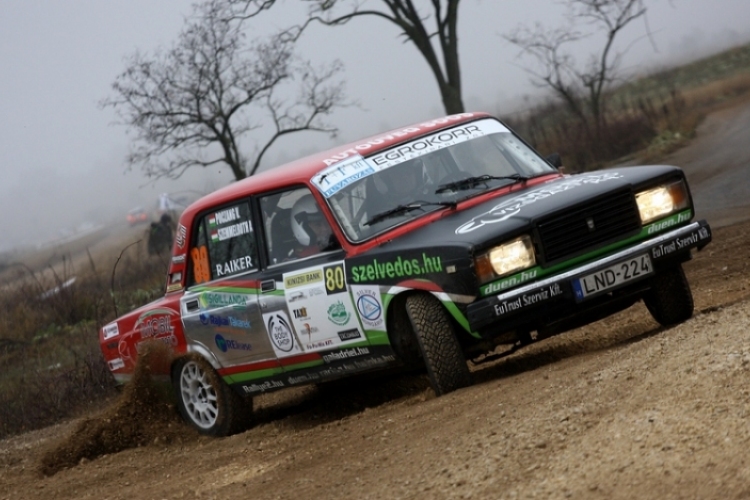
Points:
[[619, 409], [718, 166]]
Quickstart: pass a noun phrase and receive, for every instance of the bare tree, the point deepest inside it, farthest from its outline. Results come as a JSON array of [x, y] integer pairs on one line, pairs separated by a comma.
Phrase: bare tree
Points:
[[582, 90], [437, 44], [189, 106]]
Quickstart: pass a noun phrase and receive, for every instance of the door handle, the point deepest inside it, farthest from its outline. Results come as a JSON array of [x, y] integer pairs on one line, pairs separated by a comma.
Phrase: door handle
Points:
[[191, 306], [267, 286]]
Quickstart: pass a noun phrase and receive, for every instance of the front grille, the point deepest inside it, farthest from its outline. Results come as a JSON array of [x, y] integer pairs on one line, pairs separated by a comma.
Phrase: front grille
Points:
[[587, 226]]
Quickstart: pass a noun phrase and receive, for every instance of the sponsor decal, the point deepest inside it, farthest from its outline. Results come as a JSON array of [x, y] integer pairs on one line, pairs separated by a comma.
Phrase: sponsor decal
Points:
[[510, 207], [179, 259], [345, 354], [332, 180], [370, 308], [168, 340], [225, 345], [527, 299], [293, 297], [303, 379], [181, 236], [680, 243], [302, 279], [400, 268], [234, 266], [308, 330], [669, 222], [280, 331], [210, 319], [155, 326], [110, 330], [300, 313], [263, 386], [350, 334], [338, 314], [214, 300], [229, 232], [357, 365], [510, 281], [435, 142], [174, 287], [115, 364], [320, 344]]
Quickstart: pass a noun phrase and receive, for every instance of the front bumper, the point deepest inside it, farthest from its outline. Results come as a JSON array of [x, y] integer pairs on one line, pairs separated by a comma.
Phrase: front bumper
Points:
[[563, 292]]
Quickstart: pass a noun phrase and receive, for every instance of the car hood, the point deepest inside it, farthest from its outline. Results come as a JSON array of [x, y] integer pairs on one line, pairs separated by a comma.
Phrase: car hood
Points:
[[508, 215]]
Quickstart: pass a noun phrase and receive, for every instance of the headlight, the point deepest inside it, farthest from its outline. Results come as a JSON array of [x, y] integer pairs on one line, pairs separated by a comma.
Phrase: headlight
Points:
[[507, 258], [662, 201]]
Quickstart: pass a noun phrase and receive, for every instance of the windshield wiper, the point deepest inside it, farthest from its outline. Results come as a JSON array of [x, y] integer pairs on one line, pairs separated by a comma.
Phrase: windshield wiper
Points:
[[408, 207], [470, 182]]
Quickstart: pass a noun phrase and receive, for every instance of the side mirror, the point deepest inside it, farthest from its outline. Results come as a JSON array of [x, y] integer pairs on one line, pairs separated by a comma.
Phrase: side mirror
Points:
[[555, 160]]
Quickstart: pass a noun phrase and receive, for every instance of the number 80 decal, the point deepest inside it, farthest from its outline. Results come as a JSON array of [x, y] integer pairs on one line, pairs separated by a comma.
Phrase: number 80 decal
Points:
[[334, 278]]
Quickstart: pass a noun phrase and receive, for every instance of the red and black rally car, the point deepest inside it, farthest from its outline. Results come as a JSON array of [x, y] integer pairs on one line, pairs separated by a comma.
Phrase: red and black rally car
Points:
[[423, 246]]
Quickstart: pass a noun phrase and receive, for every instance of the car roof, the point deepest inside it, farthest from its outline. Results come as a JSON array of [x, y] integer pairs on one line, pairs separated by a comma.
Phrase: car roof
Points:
[[300, 171]]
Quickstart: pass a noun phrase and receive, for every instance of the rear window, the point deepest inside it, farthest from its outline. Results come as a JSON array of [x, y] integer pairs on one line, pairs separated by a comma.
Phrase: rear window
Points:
[[225, 244]]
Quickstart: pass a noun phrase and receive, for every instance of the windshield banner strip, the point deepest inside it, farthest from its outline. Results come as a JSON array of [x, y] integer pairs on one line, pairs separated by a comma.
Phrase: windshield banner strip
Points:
[[434, 142], [336, 177]]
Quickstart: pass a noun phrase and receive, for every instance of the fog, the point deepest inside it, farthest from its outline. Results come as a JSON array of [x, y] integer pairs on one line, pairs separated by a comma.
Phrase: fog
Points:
[[62, 158]]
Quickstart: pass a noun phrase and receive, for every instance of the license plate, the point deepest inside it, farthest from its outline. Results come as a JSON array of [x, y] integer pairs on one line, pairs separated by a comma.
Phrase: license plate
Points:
[[612, 276]]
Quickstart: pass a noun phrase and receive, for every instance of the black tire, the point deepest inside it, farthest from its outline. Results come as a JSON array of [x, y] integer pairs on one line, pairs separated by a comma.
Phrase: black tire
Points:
[[206, 402], [441, 352], [670, 300]]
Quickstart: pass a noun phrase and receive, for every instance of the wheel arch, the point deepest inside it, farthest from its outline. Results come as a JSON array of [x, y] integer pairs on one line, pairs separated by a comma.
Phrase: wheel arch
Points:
[[398, 327], [195, 349]]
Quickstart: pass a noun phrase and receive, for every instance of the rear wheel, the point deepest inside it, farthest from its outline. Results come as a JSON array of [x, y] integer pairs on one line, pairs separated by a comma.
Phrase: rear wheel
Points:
[[206, 402], [443, 358], [670, 300]]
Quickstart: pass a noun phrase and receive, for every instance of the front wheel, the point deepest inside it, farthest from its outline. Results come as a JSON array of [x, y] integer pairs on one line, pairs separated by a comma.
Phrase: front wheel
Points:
[[206, 402], [670, 300], [443, 358]]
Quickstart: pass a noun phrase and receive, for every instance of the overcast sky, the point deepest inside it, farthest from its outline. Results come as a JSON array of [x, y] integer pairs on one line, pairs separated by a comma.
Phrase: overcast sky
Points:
[[62, 158]]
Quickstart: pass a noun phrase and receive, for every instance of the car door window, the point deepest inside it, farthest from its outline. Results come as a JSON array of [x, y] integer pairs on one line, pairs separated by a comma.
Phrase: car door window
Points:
[[225, 245], [295, 226]]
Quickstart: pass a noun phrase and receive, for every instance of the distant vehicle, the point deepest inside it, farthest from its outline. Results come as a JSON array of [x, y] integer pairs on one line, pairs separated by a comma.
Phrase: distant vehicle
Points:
[[416, 248], [137, 216]]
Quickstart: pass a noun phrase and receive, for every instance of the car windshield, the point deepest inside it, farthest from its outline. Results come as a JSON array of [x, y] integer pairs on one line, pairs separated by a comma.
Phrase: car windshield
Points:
[[371, 195]]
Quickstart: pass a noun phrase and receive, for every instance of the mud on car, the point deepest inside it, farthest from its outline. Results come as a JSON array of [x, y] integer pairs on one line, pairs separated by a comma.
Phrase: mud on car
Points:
[[417, 248]]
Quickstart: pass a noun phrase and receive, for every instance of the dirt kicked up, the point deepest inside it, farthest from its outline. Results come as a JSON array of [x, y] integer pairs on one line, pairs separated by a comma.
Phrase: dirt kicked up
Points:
[[142, 415]]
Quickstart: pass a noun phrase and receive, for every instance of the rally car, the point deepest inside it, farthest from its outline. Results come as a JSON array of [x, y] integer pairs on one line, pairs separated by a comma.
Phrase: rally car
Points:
[[136, 216], [417, 248]]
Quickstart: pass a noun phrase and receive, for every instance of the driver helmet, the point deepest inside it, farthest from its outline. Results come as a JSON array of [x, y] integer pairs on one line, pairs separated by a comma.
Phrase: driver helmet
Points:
[[304, 213]]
